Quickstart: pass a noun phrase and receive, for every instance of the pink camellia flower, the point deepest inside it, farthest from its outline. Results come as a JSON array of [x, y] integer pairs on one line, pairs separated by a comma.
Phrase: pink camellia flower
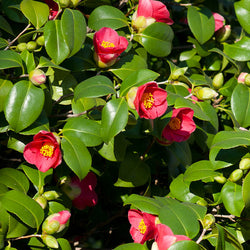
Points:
[[108, 46], [142, 225], [180, 127], [219, 21], [53, 8], [165, 238], [82, 192], [44, 151], [241, 78], [150, 101], [148, 12], [55, 223]]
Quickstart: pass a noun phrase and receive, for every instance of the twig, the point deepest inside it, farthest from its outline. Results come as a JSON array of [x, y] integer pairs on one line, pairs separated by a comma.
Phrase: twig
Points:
[[230, 217], [27, 236], [201, 236]]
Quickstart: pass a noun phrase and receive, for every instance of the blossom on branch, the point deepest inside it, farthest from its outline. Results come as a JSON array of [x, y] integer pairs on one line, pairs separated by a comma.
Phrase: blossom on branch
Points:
[[219, 21]]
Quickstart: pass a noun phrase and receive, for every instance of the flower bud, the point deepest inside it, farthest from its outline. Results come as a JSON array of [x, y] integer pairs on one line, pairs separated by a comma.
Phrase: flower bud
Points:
[[131, 97], [42, 201], [102, 64], [205, 93], [223, 33], [49, 241], [208, 221], [247, 80], [241, 78], [177, 73], [37, 77], [40, 40], [55, 223], [51, 195], [218, 80], [236, 175], [74, 3], [244, 164], [220, 179], [21, 47], [202, 202], [64, 3], [31, 45]]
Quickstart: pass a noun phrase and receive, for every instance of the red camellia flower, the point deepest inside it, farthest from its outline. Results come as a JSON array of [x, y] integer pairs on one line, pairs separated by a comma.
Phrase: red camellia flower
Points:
[[53, 8], [150, 101], [108, 46], [142, 226], [180, 126], [43, 151], [165, 238], [82, 192], [219, 21]]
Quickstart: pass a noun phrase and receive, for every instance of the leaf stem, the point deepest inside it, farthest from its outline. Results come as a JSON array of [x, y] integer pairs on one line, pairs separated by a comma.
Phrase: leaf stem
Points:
[[201, 236], [28, 236]]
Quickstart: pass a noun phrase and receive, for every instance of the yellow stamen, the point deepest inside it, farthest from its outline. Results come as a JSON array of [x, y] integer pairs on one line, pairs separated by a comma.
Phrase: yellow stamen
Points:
[[148, 100], [47, 150], [142, 227], [175, 123], [107, 44]]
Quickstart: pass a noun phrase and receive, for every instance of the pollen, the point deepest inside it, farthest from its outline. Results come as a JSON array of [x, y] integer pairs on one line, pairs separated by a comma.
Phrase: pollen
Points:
[[107, 44], [142, 227], [47, 150], [175, 123], [148, 100]]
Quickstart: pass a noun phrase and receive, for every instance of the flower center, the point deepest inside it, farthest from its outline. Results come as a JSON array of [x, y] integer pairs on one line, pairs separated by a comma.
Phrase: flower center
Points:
[[47, 150], [107, 44], [148, 100], [175, 123], [142, 227]]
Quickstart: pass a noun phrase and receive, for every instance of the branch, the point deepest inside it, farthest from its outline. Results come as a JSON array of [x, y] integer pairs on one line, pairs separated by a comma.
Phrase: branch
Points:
[[201, 236], [28, 236]]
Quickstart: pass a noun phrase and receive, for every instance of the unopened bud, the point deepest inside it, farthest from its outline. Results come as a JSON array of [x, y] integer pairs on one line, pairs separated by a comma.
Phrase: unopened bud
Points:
[[64, 3], [242, 76], [21, 47], [220, 179], [218, 80], [208, 221], [42, 201], [202, 202], [223, 33], [74, 3], [50, 241], [40, 40], [51, 195], [236, 175], [247, 80], [177, 73], [37, 77], [31, 45], [205, 93], [244, 164], [131, 97]]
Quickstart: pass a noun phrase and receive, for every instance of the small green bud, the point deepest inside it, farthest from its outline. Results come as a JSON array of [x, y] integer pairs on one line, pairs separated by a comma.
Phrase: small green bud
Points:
[[31, 45], [177, 73], [51, 195], [40, 40], [202, 202], [64, 3], [218, 80], [131, 97], [74, 3], [220, 179], [50, 227], [244, 164], [50, 241], [21, 47], [236, 175], [247, 80], [37, 77], [205, 93], [208, 221], [42, 201], [223, 33]]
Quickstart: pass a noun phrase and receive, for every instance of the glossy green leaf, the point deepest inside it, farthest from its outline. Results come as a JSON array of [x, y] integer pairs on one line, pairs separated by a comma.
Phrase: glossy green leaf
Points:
[[245, 191], [131, 246], [74, 29], [23, 105], [44, 62], [88, 131], [24, 207], [137, 79], [95, 86], [28, 59], [185, 245], [114, 118], [107, 16], [5, 87], [3, 43], [201, 23], [4, 25], [238, 51], [76, 155], [63, 244], [16, 144], [242, 10], [240, 103], [55, 43], [36, 12], [10, 59], [157, 39], [232, 198]]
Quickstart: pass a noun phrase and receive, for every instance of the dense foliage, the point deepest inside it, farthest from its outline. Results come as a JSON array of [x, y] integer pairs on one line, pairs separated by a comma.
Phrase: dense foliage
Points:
[[124, 124]]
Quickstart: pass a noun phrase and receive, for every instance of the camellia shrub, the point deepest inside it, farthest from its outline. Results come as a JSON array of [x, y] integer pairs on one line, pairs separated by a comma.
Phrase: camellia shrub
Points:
[[124, 124]]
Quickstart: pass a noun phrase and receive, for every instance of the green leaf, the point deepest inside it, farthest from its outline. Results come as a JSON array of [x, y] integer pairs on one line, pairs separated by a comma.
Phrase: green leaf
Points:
[[137, 79], [114, 118], [3, 43], [4, 25], [240, 103], [185, 245], [245, 191], [36, 12], [88, 131], [44, 62], [63, 244], [74, 29], [23, 105], [5, 87], [10, 59], [232, 198], [157, 39], [24, 207], [55, 44], [76, 155], [131, 246], [95, 86], [107, 16], [242, 10], [201, 23], [238, 51], [28, 59]]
